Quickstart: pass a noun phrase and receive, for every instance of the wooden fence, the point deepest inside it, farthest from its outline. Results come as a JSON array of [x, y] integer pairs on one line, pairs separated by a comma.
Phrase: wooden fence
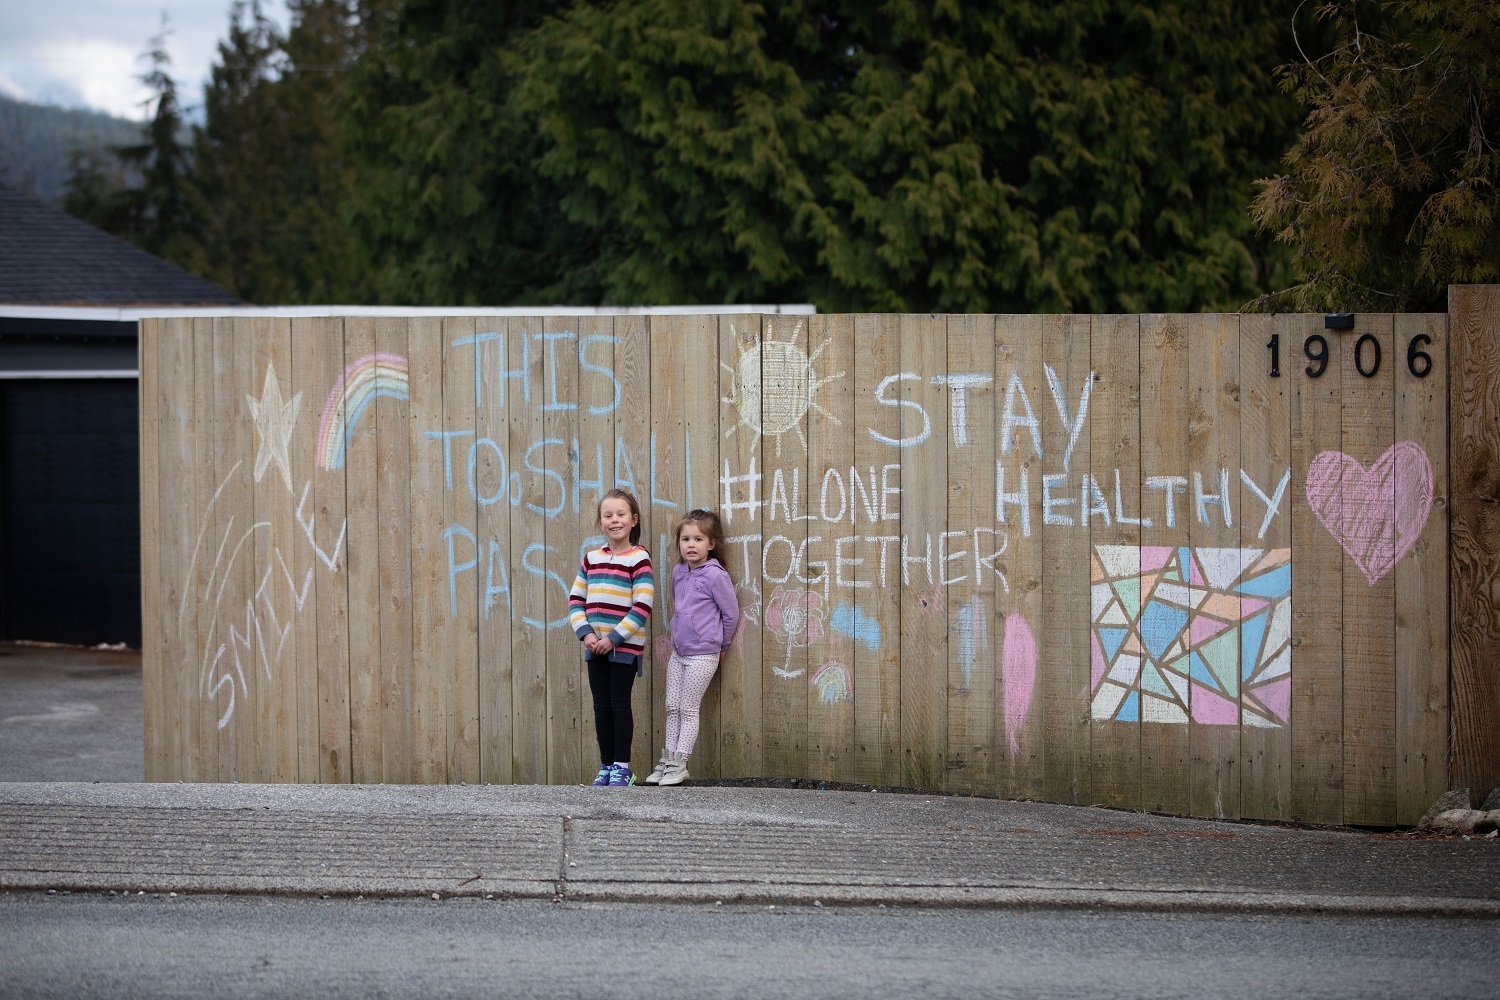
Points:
[[1194, 564]]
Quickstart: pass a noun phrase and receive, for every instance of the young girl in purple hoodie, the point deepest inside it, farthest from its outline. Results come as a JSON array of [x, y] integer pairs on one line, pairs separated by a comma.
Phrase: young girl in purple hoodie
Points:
[[705, 615]]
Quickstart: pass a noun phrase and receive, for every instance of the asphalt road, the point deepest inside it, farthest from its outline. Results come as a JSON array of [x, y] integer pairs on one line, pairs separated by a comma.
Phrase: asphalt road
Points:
[[70, 715], [231, 947]]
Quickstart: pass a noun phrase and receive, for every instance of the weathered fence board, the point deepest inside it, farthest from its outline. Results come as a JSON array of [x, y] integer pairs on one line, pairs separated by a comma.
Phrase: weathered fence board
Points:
[[1369, 683], [1265, 443], [1065, 656], [565, 679], [322, 501], [830, 453], [1317, 575], [430, 611], [1114, 544], [232, 614], [461, 511], [1213, 492], [1166, 781], [970, 597], [391, 512], [175, 753], [522, 376], [923, 508], [1421, 595], [663, 501], [875, 614], [200, 726], [1474, 447], [740, 672], [1019, 735], [362, 550], [701, 479], [1188, 564], [486, 462], [154, 597]]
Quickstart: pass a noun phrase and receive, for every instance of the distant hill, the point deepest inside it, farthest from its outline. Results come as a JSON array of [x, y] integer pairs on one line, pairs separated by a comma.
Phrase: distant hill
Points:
[[37, 143]]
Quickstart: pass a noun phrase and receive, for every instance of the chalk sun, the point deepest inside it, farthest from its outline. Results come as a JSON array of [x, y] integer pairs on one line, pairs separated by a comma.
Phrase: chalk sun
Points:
[[773, 385]]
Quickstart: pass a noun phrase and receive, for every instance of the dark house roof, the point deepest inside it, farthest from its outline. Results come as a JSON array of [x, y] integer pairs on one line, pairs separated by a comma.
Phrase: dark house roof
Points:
[[50, 258]]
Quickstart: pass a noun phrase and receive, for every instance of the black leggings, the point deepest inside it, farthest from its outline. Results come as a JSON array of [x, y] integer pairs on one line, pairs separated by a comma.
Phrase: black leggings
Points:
[[614, 724]]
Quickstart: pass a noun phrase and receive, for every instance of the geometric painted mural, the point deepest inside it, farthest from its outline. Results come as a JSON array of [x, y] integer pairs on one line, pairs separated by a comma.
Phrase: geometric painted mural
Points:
[[1181, 633]]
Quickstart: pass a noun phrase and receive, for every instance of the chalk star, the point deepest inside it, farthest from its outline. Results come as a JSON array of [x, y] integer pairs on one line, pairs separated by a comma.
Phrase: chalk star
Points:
[[274, 421]]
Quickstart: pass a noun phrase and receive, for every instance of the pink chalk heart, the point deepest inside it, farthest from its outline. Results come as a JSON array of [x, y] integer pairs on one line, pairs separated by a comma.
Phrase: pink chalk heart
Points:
[[1378, 513]]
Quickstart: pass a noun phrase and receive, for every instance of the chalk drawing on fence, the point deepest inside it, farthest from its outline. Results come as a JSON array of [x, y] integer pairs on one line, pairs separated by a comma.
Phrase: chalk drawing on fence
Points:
[[365, 380], [1018, 662], [1180, 633], [274, 422], [796, 618], [971, 632], [271, 610], [1375, 514], [749, 603], [775, 386], [852, 623], [833, 683], [187, 591]]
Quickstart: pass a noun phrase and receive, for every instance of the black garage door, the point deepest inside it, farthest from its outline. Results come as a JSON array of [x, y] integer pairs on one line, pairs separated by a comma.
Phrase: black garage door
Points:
[[70, 511]]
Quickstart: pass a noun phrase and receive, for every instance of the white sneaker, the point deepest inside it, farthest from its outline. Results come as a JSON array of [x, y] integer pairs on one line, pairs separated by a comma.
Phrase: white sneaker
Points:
[[654, 778], [676, 772]]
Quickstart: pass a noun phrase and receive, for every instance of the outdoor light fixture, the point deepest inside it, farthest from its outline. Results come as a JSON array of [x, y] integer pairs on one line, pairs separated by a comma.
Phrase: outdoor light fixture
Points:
[[1338, 321]]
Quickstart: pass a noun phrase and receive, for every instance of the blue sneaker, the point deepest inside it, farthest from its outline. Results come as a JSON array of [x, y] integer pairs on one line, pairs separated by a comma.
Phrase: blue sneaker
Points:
[[621, 777], [605, 777]]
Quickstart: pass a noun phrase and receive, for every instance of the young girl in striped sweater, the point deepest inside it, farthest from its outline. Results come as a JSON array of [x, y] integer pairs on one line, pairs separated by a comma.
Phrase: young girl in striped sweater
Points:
[[608, 609]]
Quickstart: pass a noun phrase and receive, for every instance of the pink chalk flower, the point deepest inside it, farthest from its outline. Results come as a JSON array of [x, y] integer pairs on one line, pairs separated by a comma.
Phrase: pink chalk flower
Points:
[[796, 618]]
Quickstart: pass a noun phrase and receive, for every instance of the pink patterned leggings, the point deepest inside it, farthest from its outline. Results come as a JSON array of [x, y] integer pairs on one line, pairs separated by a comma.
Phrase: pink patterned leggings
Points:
[[687, 679]]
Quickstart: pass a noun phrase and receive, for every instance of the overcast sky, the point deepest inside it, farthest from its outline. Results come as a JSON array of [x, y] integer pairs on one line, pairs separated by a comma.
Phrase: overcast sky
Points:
[[86, 53]]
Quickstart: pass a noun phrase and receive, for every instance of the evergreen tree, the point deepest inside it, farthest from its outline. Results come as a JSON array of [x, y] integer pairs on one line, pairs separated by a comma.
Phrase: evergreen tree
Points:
[[1076, 155], [450, 208], [272, 185], [144, 198], [1391, 192]]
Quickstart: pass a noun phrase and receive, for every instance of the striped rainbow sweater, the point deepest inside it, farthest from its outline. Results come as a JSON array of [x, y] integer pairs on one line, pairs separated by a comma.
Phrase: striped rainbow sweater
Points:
[[612, 596]]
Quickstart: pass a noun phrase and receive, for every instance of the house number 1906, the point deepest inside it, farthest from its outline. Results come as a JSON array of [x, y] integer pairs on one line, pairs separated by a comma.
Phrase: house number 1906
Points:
[[1366, 355]]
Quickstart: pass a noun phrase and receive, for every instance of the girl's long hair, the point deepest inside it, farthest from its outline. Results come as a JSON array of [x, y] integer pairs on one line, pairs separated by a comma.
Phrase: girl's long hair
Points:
[[708, 522], [635, 508]]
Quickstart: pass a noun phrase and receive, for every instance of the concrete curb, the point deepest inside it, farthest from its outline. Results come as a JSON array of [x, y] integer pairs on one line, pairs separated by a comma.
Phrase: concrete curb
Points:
[[1058, 898], [789, 895]]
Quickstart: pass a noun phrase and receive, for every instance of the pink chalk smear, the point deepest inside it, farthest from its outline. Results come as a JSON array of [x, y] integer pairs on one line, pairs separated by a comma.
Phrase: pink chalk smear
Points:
[[1018, 660]]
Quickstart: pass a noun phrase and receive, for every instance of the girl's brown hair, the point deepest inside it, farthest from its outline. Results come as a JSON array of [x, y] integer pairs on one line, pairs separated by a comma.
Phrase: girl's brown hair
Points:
[[708, 522], [635, 508]]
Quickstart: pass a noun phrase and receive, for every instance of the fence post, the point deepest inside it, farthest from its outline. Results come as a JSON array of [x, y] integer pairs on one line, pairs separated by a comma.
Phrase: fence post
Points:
[[1474, 538]]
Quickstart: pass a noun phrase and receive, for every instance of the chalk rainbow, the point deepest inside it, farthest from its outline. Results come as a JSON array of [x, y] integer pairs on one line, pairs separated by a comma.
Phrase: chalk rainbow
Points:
[[371, 376], [832, 682]]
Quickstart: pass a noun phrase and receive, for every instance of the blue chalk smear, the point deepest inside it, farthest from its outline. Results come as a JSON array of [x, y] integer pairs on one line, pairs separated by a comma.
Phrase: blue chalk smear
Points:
[[849, 621]]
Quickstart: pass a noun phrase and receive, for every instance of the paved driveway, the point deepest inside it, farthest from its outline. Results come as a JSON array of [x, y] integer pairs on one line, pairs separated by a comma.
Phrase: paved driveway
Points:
[[70, 714]]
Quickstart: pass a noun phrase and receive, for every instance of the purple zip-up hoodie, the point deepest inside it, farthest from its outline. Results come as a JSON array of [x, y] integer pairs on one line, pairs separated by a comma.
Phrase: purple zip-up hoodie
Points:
[[705, 612]]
